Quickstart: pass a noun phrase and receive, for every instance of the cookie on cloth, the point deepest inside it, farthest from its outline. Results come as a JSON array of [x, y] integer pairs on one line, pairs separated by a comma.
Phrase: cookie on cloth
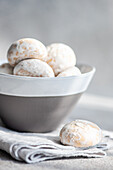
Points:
[[33, 68], [80, 133], [24, 49], [72, 71], [60, 57], [6, 68]]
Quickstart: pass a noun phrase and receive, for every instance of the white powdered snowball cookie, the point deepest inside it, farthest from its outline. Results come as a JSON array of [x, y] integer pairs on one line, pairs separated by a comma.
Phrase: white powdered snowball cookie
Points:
[[33, 68], [26, 48], [80, 133], [72, 71], [6, 68], [60, 57]]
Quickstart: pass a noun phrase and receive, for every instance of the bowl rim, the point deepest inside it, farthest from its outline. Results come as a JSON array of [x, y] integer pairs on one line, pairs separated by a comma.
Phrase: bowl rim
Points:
[[93, 69], [46, 86]]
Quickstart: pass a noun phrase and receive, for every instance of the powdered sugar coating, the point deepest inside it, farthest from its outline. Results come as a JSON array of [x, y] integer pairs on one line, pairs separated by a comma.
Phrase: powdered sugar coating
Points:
[[60, 57], [72, 71], [26, 48], [80, 133], [6, 68], [33, 68]]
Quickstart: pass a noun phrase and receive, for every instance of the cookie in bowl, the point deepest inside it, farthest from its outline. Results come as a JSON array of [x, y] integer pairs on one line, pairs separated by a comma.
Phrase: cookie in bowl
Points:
[[72, 71], [60, 57], [6, 68], [26, 48], [33, 68]]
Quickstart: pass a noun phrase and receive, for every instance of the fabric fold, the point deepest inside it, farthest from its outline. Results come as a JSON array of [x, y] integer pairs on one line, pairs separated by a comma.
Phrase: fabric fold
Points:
[[38, 147]]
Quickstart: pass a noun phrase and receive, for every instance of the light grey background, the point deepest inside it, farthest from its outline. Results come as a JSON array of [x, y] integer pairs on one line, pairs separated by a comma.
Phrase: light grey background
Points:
[[85, 25]]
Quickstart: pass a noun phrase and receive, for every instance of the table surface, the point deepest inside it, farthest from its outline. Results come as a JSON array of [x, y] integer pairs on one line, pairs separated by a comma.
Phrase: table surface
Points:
[[7, 163], [100, 115]]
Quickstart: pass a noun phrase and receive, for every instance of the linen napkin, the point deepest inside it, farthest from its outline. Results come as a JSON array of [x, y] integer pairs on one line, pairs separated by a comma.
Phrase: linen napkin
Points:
[[37, 147]]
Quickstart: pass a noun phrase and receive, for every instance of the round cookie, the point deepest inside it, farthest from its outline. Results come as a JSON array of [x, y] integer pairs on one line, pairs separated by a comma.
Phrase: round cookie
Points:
[[80, 133], [60, 57], [33, 68], [6, 68], [72, 71], [26, 48]]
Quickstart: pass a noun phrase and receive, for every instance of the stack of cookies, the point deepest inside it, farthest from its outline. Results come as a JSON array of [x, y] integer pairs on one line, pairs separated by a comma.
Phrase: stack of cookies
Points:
[[29, 57]]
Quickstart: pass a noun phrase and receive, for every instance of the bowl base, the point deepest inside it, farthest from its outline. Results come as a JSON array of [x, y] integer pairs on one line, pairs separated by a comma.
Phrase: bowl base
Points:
[[35, 114]]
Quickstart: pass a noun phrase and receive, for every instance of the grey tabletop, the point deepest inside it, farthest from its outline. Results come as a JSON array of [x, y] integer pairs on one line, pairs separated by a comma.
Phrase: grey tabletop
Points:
[[100, 115], [7, 163]]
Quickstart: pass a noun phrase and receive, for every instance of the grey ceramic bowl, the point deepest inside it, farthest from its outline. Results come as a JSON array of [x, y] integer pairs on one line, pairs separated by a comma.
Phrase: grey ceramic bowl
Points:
[[31, 104]]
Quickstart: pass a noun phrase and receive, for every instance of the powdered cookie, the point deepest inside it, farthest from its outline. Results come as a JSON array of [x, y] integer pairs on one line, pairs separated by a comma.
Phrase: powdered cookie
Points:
[[6, 68], [80, 133], [26, 48], [60, 57], [72, 71], [33, 68]]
